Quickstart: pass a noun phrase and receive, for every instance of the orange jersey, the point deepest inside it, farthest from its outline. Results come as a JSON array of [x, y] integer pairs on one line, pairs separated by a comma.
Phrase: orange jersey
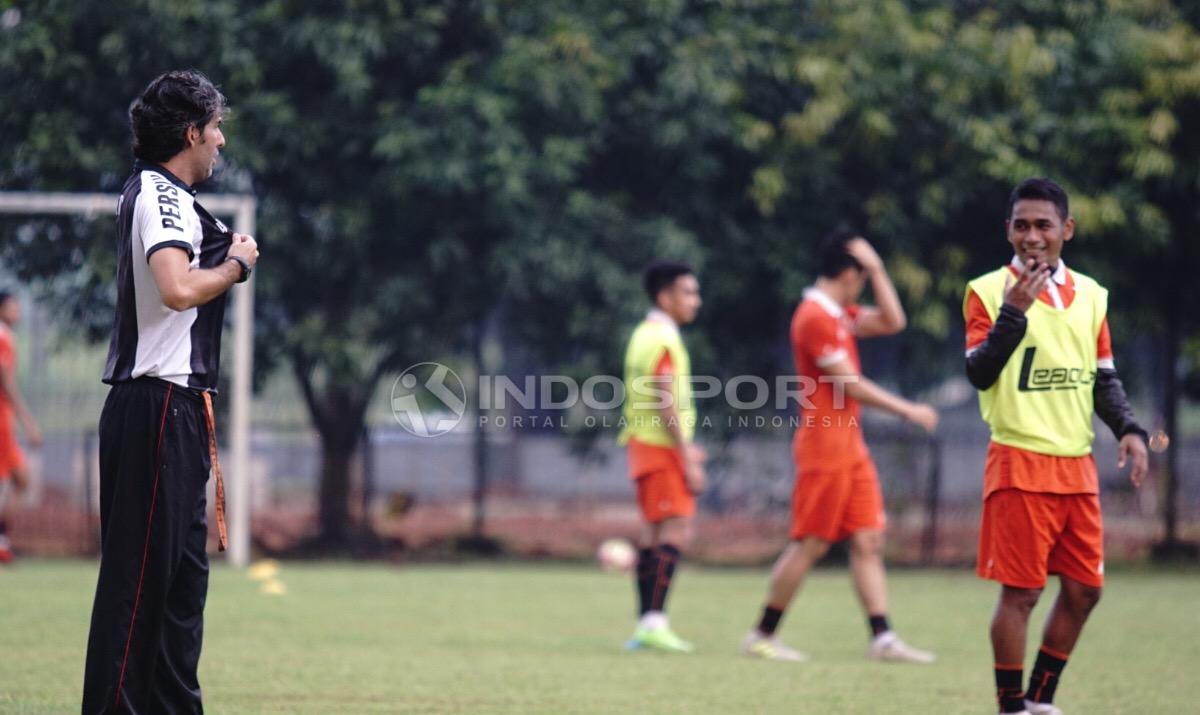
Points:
[[8, 361], [829, 436], [1015, 468], [11, 456]]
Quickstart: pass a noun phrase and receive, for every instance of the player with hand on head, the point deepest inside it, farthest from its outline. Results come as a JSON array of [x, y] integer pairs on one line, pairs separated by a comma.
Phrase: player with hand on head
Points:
[[837, 494], [659, 427], [14, 472], [1040, 353]]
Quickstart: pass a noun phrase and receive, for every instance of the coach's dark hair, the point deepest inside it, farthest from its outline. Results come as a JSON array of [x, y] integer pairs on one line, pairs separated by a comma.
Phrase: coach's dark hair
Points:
[[660, 275], [832, 255], [170, 104], [1041, 189]]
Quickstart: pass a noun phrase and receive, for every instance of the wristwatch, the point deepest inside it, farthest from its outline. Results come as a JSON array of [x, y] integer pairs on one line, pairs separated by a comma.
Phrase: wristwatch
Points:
[[246, 269]]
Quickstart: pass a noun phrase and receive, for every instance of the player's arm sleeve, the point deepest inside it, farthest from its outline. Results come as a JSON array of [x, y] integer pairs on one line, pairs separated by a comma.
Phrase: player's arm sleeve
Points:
[[1108, 394], [162, 226], [986, 360], [824, 340], [664, 368]]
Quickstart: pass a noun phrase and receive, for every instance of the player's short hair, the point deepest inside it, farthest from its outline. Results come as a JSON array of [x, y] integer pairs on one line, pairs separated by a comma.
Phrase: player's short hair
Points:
[[661, 275], [5, 294], [1041, 189], [832, 256], [169, 105]]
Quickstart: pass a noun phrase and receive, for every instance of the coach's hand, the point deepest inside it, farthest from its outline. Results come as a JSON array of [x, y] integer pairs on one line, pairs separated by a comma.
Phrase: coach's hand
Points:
[[924, 416], [1133, 446], [1029, 285], [244, 247]]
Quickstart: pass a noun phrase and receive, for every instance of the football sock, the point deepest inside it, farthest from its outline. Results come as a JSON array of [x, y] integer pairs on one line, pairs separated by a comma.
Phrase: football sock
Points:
[[1046, 670], [1008, 688], [878, 624], [770, 620], [667, 556], [647, 564]]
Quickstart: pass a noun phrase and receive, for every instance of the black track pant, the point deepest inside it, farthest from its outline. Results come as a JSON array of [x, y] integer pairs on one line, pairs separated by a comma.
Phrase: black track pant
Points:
[[147, 619]]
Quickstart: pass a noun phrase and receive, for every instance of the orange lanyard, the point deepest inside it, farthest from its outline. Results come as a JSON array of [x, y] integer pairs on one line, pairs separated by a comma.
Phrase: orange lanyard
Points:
[[222, 532]]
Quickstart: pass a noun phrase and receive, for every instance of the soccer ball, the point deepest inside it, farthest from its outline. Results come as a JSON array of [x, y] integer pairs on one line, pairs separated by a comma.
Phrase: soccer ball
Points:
[[616, 555]]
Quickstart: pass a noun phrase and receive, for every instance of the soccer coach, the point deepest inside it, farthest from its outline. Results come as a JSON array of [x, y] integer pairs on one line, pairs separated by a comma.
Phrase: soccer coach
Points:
[[175, 263]]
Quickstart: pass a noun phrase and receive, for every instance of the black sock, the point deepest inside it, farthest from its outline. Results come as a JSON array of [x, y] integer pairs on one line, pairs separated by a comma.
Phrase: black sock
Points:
[[1008, 689], [647, 564], [879, 624], [1044, 678], [770, 620], [668, 556]]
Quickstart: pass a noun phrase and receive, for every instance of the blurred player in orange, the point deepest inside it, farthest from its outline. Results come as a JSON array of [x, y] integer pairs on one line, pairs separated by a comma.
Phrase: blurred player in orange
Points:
[[14, 475], [1040, 353], [659, 426], [837, 493]]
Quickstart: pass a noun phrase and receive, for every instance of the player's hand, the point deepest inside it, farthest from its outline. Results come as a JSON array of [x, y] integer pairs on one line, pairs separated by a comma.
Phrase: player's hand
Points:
[[1133, 447], [923, 416], [693, 474], [865, 254], [34, 435], [1030, 283], [697, 453], [244, 247]]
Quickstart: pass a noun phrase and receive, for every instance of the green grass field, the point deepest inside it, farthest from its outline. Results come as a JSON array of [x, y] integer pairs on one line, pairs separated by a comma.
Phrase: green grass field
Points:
[[547, 639]]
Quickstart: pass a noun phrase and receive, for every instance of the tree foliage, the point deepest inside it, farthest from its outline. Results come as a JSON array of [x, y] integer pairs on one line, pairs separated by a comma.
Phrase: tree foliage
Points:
[[429, 169]]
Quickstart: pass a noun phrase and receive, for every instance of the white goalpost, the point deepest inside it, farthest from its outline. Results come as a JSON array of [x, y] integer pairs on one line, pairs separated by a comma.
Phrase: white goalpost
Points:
[[241, 209]]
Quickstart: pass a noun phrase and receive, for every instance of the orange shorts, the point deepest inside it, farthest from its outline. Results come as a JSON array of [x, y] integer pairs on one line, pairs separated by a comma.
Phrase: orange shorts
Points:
[[1027, 535], [832, 504], [664, 494], [11, 457]]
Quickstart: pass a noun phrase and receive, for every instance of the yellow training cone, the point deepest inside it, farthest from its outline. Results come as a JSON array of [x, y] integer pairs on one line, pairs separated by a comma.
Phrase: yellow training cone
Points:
[[263, 570], [273, 588]]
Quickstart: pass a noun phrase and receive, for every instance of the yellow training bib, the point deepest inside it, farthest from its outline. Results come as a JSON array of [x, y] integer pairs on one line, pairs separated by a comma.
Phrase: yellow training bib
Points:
[[1042, 401], [644, 393]]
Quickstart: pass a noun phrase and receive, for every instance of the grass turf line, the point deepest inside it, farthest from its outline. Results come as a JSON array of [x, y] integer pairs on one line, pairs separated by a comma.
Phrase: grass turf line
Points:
[[532, 639]]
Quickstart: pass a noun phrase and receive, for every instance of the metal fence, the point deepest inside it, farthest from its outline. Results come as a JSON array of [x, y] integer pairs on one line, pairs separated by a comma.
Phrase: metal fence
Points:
[[545, 497]]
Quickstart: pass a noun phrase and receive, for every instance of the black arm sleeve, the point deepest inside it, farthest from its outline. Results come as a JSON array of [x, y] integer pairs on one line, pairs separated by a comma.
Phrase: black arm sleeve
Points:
[[1112, 405], [985, 362]]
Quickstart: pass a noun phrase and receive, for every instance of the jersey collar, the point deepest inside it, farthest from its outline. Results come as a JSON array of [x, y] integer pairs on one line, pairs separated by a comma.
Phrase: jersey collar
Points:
[[657, 315], [824, 300], [140, 165]]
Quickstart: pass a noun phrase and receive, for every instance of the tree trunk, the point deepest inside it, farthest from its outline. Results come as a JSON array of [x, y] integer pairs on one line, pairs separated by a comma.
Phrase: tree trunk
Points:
[[334, 506], [338, 413]]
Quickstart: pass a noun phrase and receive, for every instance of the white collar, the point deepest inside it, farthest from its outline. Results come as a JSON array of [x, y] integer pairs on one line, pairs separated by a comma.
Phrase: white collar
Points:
[[657, 315], [1060, 272], [822, 299]]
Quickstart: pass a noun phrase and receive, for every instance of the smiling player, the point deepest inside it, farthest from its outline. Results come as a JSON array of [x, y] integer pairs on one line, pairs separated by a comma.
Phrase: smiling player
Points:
[[1040, 354]]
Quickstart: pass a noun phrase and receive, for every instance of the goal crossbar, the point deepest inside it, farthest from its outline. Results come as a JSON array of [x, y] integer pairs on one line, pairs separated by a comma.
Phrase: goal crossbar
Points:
[[241, 209]]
